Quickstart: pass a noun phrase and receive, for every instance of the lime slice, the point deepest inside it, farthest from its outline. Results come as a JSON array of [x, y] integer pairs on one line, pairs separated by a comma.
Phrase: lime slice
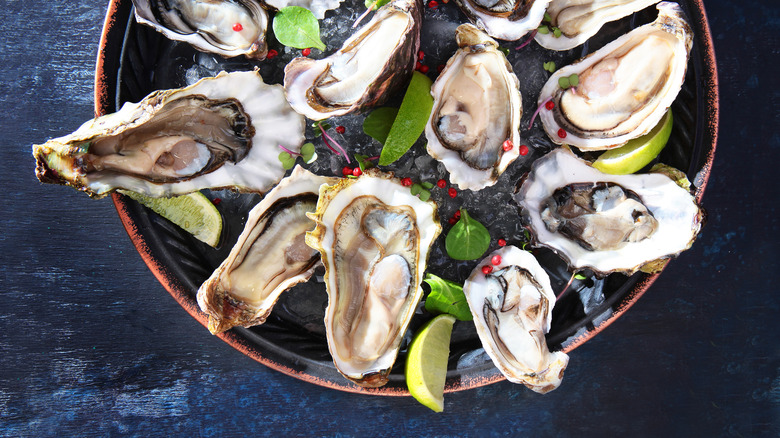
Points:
[[635, 154], [193, 212], [426, 362]]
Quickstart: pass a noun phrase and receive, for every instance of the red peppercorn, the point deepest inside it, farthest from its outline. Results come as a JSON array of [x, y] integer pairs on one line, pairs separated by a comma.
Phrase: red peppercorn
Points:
[[496, 260], [420, 55], [306, 52], [508, 145], [433, 4], [357, 172], [216, 201], [424, 69], [238, 27], [456, 215], [407, 182], [501, 242], [487, 270], [452, 192], [271, 54], [549, 105], [418, 65], [341, 129], [523, 150], [452, 221], [346, 171], [441, 183], [561, 133]]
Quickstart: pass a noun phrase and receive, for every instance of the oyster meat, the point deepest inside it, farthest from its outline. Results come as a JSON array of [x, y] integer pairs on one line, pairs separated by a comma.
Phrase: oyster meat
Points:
[[624, 88], [608, 223], [476, 108], [581, 19], [367, 68], [269, 257], [226, 27], [220, 132], [512, 309], [374, 238], [505, 19]]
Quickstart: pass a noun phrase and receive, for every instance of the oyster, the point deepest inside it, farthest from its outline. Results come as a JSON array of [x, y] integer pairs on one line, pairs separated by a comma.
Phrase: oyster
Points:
[[505, 19], [317, 7], [608, 223], [374, 238], [476, 108], [624, 88], [220, 132], [581, 19], [269, 257], [512, 309], [363, 73], [226, 27]]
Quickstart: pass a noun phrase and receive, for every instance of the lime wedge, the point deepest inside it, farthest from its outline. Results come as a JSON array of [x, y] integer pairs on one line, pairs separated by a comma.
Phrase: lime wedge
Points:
[[193, 212], [426, 362], [637, 153]]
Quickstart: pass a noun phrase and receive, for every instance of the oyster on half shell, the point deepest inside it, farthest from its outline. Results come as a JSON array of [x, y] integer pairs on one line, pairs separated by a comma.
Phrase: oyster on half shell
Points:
[[220, 132], [476, 108], [581, 19], [226, 27], [512, 309], [367, 68], [269, 257], [607, 223], [624, 88], [374, 238], [505, 19]]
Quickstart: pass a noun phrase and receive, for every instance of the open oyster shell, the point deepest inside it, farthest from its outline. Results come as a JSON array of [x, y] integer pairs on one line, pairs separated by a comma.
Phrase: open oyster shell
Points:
[[269, 257], [581, 19], [512, 309], [220, 132], [607, 223], [226, 27], [505, 19], [374, 238], [624, 88], [476, 108], [367, 68]]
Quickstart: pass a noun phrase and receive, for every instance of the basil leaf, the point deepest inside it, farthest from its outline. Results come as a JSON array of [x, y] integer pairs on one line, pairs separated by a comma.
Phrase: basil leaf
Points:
[[377, 124], [468, 239], [297, 27], [410, 122], [446, 297]]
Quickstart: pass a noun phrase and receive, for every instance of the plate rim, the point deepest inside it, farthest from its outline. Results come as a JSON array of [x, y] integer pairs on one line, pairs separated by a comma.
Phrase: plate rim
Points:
[[108, 60]]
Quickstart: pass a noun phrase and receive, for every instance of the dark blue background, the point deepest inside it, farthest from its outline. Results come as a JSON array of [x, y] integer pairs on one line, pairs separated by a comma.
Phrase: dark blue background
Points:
[[91, 344]]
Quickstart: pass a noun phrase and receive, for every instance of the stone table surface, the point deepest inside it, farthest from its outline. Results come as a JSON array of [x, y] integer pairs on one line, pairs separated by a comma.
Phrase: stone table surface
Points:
[[92, 345]]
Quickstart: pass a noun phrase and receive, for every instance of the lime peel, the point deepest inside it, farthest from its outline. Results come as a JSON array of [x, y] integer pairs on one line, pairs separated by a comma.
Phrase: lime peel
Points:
[[426, 362], [193, 212]]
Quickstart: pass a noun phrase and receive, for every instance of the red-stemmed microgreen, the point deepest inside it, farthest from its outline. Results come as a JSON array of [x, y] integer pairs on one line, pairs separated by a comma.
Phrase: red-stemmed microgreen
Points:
[[528, 41], [538, 109]]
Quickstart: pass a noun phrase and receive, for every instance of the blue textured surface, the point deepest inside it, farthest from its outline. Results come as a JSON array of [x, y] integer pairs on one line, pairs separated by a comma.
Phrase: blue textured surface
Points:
[[92, 345]]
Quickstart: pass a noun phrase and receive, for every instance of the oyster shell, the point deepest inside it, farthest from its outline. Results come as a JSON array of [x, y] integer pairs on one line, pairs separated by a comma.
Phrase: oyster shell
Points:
[[608, 223], [512, 309], [269, 257], [476, 107], [363, 73], [505, 19], [624, 88], [220, 132], [374, 238], [226, 27], [581, 19]]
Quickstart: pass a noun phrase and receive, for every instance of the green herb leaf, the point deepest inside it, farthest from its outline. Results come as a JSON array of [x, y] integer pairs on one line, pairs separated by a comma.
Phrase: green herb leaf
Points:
[[377, 124], [468, 239], [316, 125], [574, 80], [504, 50], [564, 83], [446, 297], [363, 162], [557, 32], [375, 3], [415, 189], [580, 277], [410, 122], [549, 66], [544, 30], [288, 161], [308, 153], [297, 27], [547, 17], [427, 185], [425, 195]]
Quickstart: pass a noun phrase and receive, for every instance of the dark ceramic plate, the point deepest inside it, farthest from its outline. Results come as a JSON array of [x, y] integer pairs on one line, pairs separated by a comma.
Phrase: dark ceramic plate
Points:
[[135, 60]]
